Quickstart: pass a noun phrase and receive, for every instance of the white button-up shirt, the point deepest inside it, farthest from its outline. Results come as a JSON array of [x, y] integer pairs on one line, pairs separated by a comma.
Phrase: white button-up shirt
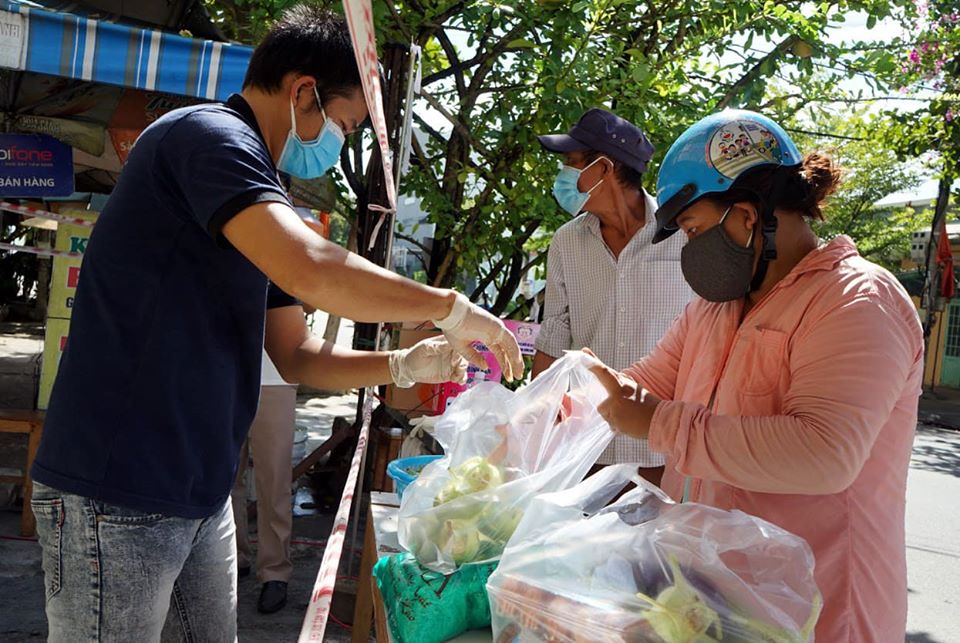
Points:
[[617, 307]]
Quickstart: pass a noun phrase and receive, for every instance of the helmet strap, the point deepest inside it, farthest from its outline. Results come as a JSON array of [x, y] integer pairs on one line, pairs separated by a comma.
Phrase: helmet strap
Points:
[[768, 230]]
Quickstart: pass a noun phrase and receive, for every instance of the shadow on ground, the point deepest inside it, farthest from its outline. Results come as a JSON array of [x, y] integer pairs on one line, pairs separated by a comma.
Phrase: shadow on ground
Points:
[[936, 450]]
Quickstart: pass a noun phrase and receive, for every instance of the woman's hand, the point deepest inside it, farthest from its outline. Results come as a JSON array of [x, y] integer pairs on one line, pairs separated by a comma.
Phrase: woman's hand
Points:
[[628, 409]]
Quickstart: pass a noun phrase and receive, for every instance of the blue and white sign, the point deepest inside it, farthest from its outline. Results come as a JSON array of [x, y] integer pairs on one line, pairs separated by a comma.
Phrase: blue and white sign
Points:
[[35, 165]]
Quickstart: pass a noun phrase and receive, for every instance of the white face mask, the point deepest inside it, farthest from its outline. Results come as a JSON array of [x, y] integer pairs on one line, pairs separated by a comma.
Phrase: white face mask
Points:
[[311, 159], [565, 189]]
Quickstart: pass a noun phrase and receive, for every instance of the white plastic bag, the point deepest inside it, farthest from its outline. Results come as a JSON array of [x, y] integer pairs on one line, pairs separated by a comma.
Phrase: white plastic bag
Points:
[[646, 569], [502, 448]]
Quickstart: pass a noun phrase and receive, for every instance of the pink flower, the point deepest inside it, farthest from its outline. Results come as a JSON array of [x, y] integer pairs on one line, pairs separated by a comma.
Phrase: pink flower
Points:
[[914, 56], [948, 116], [924, 47]]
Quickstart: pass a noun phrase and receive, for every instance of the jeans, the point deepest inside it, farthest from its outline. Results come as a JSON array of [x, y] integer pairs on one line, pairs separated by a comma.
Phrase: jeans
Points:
[[118, 574]]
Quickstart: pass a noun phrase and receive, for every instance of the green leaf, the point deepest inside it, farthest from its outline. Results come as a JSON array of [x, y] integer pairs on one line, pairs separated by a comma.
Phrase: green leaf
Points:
[[640, 72], [520, 43], [871, 21]]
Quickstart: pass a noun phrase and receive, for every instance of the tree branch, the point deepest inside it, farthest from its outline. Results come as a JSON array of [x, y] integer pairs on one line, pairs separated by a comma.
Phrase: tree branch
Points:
[[756, 71], [535, 261], [480, 76], [396, 17], [454, 59], [425, 162], [451, 70], [457, 124], [440, 138], [504, 88], [410, 239]]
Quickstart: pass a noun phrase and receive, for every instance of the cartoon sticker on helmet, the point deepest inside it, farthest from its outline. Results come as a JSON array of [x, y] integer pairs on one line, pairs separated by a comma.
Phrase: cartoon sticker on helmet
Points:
[[740, 145]]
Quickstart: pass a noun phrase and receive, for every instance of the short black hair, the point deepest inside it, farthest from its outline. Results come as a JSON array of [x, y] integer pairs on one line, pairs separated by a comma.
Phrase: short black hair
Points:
[[625, 174], [310, 41]]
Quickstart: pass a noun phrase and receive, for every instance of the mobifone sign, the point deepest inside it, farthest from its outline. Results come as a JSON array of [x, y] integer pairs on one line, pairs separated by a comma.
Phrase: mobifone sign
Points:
[[35, 165]]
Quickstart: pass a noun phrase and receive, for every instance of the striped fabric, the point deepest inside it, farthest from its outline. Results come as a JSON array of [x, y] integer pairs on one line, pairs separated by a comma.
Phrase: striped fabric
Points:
[[619, 308], [72, 46]]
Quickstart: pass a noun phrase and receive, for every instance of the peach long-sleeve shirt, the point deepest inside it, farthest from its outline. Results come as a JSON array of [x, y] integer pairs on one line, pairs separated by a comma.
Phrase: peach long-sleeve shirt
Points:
[[804, 415]]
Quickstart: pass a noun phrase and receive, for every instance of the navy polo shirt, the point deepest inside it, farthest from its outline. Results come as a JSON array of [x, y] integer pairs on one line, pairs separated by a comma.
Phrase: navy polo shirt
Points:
[[160, 378]]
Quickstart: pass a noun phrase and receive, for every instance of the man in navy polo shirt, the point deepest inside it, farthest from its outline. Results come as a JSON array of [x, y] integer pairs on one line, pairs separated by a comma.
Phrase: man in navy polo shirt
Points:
[[184, 283]]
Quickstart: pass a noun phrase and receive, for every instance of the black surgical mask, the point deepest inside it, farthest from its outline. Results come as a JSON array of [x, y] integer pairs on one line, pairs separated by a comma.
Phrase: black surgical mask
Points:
[[716, 267]]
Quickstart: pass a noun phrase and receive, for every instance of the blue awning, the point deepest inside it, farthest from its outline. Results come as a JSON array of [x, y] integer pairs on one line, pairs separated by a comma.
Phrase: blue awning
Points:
[[73, 46]]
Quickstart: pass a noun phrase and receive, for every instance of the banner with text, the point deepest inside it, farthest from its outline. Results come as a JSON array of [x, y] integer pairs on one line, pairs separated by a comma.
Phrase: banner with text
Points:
[[35, 165]]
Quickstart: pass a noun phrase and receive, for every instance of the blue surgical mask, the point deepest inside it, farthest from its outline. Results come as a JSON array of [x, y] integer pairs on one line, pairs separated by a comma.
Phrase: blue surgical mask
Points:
[[566, 192], [311, 159]]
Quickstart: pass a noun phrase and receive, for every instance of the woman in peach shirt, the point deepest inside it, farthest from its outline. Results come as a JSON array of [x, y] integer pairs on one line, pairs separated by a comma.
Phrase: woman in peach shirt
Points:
[[789, 389]]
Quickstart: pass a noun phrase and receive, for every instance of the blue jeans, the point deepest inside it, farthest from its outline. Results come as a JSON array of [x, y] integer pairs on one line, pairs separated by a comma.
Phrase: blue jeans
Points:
[[117, 574]]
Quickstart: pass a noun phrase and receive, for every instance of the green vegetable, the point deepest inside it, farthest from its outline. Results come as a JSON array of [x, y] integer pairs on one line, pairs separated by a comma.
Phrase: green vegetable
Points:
[[679, 613], [461, 539], [477, 529], [475, 474], [414, 471]]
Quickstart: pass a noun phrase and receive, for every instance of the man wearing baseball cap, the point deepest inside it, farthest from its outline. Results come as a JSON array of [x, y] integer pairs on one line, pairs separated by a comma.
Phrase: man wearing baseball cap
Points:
[[608, 288]]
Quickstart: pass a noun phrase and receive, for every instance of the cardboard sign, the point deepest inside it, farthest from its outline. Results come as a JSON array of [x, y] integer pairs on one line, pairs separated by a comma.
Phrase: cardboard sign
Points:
[[526, 334], [66, 271], [63, 287], [34, 166]]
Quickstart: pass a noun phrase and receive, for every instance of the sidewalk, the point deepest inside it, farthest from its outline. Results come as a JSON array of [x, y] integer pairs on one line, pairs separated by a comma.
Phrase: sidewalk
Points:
[[941, 407]]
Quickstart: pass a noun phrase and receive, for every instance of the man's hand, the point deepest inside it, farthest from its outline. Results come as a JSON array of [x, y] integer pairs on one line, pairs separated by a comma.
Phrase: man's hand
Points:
[[468, 323], [432, 361], [628, 409]]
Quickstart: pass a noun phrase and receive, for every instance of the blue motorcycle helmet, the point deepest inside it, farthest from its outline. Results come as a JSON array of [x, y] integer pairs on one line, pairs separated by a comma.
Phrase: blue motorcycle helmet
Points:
[[709, 157]]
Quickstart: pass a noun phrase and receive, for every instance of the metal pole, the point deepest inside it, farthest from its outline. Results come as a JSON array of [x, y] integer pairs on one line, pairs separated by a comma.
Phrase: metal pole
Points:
[[931, 295]]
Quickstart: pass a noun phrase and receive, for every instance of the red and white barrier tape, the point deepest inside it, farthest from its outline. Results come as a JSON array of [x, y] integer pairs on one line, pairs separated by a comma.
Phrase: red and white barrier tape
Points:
[[43, 214], [43, 252], [359, 17], [318, 610]]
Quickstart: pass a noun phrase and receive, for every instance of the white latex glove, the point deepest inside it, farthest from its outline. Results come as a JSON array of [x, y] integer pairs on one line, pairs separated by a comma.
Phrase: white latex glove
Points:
[[431, 361], [468, 323]]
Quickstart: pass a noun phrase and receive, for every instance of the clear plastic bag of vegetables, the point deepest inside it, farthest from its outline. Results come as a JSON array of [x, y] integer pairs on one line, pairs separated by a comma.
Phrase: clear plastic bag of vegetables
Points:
[[642, 568], [502, 448]]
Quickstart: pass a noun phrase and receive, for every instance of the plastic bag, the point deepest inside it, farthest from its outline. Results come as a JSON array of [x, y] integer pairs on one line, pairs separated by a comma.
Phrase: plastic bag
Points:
[[646, 569], [428, 607], [502, 448]]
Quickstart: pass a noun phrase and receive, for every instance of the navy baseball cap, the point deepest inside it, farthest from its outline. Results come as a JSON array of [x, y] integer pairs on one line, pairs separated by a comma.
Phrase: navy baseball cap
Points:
[[605, 132]]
